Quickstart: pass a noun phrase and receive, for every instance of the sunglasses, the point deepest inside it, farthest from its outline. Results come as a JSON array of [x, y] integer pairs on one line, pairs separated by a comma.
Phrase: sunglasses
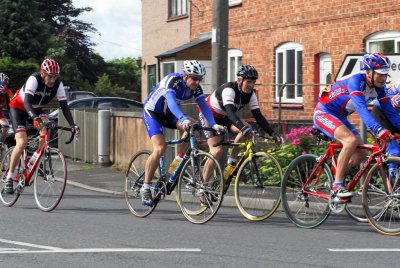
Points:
[[196, 78]]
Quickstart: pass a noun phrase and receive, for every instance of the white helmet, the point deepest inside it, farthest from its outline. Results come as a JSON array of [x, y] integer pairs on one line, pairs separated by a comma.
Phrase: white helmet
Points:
[[193, 67], [4, 78]]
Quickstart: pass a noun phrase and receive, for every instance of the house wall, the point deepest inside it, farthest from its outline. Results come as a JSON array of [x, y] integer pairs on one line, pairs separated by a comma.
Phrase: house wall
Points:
[[257, 27], [159, 34]]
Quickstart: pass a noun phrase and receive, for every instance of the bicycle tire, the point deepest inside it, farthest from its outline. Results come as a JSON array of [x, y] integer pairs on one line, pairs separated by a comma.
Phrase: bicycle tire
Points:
[[257, 187], [381, 208], [304, 210], [134, 178], [9, 200], [200, 201], [50, 180]]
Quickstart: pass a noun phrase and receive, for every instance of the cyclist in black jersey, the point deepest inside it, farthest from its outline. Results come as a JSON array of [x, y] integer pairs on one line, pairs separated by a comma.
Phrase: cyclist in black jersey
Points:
[[38, 90], [225, 101]]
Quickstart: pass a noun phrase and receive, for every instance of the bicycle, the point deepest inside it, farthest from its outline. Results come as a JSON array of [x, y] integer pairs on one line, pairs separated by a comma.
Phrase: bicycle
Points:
[[47, 173], [199, 199], [306, 193], [257, 177]]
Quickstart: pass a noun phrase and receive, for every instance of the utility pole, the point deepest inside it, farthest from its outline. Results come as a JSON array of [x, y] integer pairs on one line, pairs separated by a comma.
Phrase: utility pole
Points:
[[219, 47]]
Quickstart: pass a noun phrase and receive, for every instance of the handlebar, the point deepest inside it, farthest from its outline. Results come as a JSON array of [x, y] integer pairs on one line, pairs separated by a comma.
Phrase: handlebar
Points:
[[52, 125], [190, 132]]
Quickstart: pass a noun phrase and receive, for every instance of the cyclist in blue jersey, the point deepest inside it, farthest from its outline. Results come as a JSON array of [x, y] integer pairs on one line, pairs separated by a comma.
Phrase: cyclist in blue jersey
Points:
[[348, 95], [161, 109], [393, 148]]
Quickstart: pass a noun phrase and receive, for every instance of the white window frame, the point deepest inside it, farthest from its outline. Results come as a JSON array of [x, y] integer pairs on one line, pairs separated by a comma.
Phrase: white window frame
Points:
[[236, 54], [234, 2], [163, 71], [384, 36], [325, 69], [177, 8], [284, 49]]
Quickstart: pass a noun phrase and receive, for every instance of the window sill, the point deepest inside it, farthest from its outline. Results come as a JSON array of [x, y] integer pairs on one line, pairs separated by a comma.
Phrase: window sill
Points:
[[171, 19], [291, 106]]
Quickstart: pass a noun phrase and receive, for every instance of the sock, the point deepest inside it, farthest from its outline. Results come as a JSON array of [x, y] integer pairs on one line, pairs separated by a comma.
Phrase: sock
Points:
[[10, 175], [336, 185], [146, 186]]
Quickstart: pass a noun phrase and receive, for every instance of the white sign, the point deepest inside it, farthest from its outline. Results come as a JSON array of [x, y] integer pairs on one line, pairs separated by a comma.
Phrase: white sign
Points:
[[353, 64]]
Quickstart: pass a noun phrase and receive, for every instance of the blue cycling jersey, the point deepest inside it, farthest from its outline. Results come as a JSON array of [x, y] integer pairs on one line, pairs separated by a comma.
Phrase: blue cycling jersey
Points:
[[170, 92], [353, 93]]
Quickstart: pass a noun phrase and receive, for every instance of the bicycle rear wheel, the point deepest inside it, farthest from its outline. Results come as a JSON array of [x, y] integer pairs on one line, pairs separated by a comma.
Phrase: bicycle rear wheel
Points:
[[198, 200], [9, 199], [382, 206], [50, 179], [307, 206], [134, 178], [257, 187]]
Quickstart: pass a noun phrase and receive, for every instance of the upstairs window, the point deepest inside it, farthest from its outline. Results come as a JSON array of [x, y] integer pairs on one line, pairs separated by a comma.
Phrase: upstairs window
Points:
[[289, 70], [234, 61], [177, 8], [384, 42]]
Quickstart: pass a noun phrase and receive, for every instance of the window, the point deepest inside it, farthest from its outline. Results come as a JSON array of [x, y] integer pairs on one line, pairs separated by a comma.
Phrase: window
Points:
[[289, 70], [167, 68], [234, 61], [177, 8], [325, 70], [384, 42]]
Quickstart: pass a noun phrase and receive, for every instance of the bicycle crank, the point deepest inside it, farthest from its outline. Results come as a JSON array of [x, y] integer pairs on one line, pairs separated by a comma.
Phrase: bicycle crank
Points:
[[336, 205]]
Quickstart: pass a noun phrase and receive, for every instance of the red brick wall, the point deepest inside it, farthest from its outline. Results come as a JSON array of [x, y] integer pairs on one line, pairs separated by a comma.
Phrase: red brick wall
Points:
[[257, 27]]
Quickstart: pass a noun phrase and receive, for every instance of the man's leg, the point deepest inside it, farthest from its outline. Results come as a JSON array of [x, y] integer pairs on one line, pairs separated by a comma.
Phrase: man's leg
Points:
[[21, 141]]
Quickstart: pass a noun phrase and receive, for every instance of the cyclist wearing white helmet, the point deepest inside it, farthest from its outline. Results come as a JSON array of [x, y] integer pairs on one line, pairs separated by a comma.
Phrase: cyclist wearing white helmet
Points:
[[38, 90], [5, 97], [348, 95], [162, 109]]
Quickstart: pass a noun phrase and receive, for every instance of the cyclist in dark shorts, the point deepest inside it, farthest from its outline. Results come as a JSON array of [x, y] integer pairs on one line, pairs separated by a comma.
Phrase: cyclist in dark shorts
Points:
[[38, 90]]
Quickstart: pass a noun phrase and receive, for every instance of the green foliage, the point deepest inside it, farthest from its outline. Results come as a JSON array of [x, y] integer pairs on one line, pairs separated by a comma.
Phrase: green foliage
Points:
[[18, 73], [104, 87], [125, 72]]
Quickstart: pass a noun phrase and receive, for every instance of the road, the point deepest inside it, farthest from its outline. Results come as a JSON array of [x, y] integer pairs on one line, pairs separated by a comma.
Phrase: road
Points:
[[91, 229]]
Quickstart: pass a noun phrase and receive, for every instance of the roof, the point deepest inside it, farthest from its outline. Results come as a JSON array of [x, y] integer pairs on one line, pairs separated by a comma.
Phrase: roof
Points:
[[172, 52]]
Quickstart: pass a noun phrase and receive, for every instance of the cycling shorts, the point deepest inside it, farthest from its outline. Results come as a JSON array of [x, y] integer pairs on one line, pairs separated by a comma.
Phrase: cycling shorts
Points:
[[154, 122], [19, 118], [328, 123]]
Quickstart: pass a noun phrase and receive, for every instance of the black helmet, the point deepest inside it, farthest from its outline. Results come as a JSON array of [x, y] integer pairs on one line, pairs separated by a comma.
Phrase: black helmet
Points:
[[247, 72]]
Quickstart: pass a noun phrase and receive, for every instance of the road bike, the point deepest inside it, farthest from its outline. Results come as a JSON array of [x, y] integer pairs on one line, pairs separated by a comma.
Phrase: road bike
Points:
[[199, 198], [257, 179], [46, 169], [307, 198]]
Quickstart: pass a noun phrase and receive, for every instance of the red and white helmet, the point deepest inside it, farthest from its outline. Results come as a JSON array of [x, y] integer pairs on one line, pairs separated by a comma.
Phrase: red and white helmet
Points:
[[50, 66]]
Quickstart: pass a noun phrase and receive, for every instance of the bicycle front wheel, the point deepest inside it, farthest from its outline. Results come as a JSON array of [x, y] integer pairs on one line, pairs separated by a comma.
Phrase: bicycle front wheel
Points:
[[134, 178], [50, 179], [381, 197], [257, 187], [9, 199], [306, 205], [200, 198]]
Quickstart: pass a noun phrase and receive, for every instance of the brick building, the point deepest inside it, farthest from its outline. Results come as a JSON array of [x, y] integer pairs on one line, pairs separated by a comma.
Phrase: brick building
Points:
[[301, 43]]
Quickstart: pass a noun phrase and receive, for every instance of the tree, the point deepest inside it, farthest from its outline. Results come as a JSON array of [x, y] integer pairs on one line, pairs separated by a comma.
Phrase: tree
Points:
[[23, 35], [125, 72]]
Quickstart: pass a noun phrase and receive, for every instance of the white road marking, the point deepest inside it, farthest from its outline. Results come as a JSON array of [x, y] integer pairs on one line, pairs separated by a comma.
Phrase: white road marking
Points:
[[101, 250], [364, 249], [27, 244]]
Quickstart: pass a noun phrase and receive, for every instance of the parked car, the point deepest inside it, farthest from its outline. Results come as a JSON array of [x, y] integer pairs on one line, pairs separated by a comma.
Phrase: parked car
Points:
[[100, 103], [76, 95]]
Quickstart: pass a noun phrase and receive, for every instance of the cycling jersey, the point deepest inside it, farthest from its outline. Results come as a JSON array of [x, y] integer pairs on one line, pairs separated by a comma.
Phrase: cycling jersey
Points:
[[350, 94], [229, 93], [165, 99], [5, 98], [41, 93]]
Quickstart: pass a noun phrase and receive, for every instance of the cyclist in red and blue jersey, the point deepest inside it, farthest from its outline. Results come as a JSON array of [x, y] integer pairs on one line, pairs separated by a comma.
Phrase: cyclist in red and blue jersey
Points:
[[393, 148], [348, 95], [162, 109], [5, 96], [38, 90]]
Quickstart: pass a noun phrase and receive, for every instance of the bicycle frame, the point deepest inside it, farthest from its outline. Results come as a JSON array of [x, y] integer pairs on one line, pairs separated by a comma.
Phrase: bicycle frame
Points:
[[377, 153]]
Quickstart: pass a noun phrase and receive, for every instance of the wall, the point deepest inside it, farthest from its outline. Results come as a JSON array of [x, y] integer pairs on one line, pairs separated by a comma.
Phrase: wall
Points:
[[159, 34], [257, 27]]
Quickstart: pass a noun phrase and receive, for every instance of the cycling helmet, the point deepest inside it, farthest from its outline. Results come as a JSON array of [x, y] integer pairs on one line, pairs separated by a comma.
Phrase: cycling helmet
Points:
[[193, 67], [3, 82], [377, 62], [247, 72], [50, 66]]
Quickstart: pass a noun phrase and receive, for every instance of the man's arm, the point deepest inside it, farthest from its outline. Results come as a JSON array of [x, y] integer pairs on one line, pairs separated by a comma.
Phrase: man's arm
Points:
[[260, 119]]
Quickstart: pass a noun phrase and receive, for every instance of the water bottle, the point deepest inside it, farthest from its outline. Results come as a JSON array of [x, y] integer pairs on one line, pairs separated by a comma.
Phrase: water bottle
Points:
[[175, 163], [33, 159]]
